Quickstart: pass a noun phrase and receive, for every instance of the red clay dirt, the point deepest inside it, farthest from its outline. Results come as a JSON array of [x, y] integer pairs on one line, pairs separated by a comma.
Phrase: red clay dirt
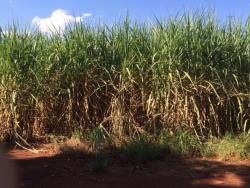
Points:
[[45, 170]]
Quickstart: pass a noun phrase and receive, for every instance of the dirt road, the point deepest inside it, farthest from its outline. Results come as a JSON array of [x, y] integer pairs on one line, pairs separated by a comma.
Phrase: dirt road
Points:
[[45, 170]]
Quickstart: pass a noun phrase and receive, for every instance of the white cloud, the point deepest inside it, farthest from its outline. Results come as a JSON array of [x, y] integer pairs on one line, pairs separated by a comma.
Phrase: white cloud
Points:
[[57, 22], [11, 2]]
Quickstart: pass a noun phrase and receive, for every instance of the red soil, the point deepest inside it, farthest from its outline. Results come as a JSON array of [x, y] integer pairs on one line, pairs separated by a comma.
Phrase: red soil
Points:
[[45, 170]]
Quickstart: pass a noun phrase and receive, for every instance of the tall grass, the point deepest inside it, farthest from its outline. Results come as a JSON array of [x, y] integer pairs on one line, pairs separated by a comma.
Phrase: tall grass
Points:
[[189, 73]]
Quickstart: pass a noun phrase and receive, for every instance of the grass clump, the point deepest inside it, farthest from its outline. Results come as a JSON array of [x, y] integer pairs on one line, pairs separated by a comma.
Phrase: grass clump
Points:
[[183, 143], [74, 145], [230, 147], [142, 149]]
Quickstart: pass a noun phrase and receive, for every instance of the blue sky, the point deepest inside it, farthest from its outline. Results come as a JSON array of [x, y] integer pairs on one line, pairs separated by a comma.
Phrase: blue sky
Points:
[[108, 10]]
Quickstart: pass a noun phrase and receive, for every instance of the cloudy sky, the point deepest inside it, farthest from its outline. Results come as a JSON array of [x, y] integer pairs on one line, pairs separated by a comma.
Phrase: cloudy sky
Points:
[[44, 14]]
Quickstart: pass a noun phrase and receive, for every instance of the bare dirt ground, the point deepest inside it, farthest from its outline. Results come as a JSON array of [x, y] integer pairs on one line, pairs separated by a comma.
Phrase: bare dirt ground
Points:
[[47, 170]]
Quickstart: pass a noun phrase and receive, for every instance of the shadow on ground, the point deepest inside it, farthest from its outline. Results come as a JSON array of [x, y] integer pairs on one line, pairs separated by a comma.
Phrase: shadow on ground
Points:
[[76, 170]]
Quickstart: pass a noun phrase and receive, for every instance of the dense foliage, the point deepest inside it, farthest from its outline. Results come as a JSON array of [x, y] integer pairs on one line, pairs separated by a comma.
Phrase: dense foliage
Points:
[[189, 73]]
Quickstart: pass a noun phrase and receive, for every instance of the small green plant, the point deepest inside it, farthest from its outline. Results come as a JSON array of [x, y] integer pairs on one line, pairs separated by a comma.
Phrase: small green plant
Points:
[[185, 143], [142, 149], [98, 138]]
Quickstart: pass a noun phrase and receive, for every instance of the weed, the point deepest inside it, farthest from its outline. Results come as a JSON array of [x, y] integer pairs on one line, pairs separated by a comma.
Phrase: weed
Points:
[[184, 143], [231, 147], [98, 138], [142, 149]]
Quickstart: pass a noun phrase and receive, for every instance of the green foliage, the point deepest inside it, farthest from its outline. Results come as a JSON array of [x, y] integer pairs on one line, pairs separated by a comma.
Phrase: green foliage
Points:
[[228, 147], [183, 143], [98, 138], [142, 149], [187, 73], [231, 147]]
